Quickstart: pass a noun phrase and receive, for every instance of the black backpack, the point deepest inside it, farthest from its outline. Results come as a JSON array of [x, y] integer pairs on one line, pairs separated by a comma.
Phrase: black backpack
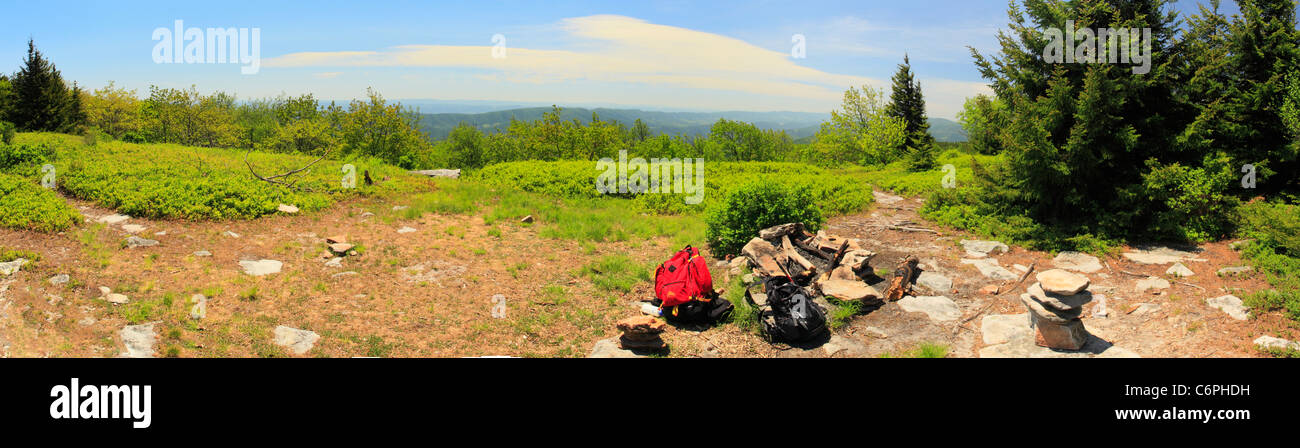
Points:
[[698, 311], [794, 317]]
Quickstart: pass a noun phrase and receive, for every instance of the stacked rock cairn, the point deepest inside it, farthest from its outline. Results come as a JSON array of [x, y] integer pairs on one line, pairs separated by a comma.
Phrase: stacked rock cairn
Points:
[[1055, 304], [641, 333]]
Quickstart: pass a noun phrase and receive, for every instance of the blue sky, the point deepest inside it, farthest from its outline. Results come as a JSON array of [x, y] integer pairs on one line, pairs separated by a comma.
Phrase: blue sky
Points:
[[711, 55]]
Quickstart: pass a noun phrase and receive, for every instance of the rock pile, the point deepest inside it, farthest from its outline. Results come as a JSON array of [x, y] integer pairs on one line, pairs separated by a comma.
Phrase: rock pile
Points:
[[1055, 304], [641, 333]]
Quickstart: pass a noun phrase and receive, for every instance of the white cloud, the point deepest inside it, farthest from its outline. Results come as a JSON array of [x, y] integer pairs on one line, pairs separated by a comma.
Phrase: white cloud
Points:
[[618, 49]]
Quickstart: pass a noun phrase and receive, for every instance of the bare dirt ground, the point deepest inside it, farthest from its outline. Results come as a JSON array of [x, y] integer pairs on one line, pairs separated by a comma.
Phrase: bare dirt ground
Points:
[[428, 293]]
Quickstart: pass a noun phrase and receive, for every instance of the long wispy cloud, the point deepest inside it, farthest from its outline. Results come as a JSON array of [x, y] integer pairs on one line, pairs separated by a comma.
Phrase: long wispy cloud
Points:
[[628, 50]]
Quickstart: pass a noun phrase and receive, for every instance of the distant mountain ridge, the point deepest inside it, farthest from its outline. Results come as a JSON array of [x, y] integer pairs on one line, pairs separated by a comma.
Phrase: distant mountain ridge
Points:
[[796, 124]]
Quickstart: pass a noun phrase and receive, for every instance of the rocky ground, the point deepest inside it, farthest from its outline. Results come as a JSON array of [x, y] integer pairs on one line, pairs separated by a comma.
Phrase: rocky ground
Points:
[[449, 285]]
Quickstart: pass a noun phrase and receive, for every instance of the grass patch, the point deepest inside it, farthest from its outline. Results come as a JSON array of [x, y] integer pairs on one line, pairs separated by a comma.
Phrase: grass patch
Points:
[[925, 350], [28, 206], [617, 273]]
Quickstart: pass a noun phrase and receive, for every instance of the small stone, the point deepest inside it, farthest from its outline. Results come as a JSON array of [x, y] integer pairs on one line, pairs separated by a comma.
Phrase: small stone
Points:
[[527, 219], [1099, 309], [86, 321], [336, 239], [1144, 308], [117, 299], [344, 274], [138, 341], [104, 291], [990, 290], [297, 341], [231, 234], [1231, 305], [12, 267], [135, 241], [1153, 284], [164, 233], [1060, 281], [340, 248], [60, 279], [1059, 301], [939, 308], [1077, 261], [287, 209], [1238, 270], [406, 230], [202, 253], [132, 228], [1179, 270], [261, 267], [748, 279], [336, 262], [981, 249]]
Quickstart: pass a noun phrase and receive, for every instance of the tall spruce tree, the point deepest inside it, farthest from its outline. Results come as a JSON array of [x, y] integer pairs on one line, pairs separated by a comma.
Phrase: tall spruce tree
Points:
[[43, 102], [908, 104], [1080, 134]]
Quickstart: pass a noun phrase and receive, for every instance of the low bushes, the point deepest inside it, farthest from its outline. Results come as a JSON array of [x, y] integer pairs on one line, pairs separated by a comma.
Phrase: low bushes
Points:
[[1275, 227], [27, 206]]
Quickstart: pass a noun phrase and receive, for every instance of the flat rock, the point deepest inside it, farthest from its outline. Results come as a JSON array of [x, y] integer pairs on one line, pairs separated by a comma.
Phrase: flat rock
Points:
[[138, 341], [336, 262], [849, 290], [1059, 301], [202, 253], [1077, 262], [406, 230], [231, 234], [1270, 342], [1153, 284], [1159, 255], [135, 241], [885, 198], [1063, 282], [133, 228], [935, 282], [1002, 328], [286, 208], [608, 348], [116, 299], [989, 268], [1144, 308], [763, 255], [1179, 270], [450, 174], [1236, 270], [1231, 305], [981, 249], [59, 279], [12, 267], [344, 274], [113, 219], [340, 248], [297, 341], [641, 325], [261, 267], [939, 308]]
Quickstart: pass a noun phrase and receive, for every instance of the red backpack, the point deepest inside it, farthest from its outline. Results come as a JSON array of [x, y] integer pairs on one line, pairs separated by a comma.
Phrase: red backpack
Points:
[[682, 278]]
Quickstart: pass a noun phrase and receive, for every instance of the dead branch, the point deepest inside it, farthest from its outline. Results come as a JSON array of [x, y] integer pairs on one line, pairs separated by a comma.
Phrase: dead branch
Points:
[[1018, 282], [272, 179], [903, 229]]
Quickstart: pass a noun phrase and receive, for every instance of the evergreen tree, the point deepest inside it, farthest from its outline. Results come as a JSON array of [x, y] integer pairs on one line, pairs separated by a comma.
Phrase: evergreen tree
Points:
[[908, 104], [42, 101], [1080, 135]]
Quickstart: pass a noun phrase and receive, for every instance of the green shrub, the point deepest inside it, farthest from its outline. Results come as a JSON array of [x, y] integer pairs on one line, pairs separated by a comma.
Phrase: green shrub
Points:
[[755, 206], [27, 206], [1275, 227], [13, 155]]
